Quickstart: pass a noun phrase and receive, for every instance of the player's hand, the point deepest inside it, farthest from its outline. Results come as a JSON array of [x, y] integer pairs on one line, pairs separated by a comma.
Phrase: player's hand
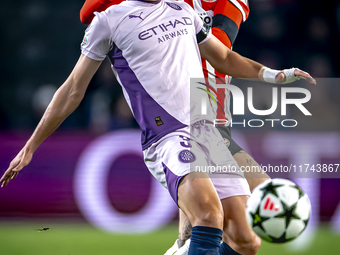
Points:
[[293, 74], [19, 162]]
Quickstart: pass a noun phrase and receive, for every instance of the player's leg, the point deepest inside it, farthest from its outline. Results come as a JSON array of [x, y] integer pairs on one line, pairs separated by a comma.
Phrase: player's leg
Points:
[[254, 178], [233, 191], [181, 245], [184, 228], [198, 199], [237, 236], [170, 162]]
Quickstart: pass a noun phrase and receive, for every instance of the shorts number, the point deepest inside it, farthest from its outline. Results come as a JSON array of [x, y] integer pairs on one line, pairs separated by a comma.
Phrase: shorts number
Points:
[[186, 142]]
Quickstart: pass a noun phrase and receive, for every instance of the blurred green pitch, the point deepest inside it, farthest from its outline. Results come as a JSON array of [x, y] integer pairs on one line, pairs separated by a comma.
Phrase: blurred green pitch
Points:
[[81, 239]]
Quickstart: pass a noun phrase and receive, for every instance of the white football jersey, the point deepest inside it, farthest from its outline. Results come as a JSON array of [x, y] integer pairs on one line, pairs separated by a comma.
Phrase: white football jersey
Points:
[[154, 54]]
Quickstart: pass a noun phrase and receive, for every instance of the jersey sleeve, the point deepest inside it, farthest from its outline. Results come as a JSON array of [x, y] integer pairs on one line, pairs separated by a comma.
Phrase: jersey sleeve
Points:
[[243, 7], [97, 40], [203, 31], [204, 34], [228, 16], [91, 6]]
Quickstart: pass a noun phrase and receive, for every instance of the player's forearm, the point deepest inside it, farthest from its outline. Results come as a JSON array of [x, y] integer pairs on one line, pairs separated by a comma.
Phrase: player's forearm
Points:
[[64, 102], [228, 62], [239, 67]]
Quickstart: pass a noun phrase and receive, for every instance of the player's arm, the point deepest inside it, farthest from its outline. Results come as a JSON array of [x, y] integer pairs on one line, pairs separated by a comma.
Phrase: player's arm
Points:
[[91, 6], [228, 16], [64, 102], [230, 63]]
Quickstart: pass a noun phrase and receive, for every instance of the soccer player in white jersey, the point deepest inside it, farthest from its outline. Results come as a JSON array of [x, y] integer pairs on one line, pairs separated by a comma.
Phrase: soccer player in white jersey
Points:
[[224, 17], [155, 49]]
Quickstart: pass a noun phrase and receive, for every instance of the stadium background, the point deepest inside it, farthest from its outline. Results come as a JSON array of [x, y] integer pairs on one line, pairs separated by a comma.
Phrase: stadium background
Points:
[[40, 45]]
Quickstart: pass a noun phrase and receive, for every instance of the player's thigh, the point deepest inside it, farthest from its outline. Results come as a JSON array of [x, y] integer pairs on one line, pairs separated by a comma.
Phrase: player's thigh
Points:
[[227, 178], [198, 199], [252, 170], [172, 158], [172, 161]]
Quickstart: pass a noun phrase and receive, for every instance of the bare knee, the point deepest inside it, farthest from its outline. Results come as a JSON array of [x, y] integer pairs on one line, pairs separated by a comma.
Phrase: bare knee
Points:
[[244, 244], [211, 217], [237, 233], [251, 246]]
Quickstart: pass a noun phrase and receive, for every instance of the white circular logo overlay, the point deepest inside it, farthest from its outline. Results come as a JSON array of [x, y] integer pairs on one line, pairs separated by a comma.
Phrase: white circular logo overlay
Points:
[[91, 194]]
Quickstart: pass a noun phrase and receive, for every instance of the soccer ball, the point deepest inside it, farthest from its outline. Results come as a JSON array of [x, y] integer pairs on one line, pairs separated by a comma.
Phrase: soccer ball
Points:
[[278, 210]]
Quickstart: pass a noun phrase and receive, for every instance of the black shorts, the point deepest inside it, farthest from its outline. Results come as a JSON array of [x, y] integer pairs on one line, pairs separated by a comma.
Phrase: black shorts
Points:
[[226, 134]]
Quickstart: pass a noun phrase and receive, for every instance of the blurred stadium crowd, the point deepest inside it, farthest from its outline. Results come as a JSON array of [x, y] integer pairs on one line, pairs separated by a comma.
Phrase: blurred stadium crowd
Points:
[[41, 43]]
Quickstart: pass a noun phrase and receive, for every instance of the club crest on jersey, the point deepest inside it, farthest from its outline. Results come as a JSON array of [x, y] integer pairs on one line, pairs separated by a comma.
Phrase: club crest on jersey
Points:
[[206, 17], [174, 6], [186, 156], [227, 142]]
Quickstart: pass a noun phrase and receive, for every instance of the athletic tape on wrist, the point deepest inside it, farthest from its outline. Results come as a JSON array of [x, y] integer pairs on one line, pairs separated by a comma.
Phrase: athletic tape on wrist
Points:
[[269, 75]]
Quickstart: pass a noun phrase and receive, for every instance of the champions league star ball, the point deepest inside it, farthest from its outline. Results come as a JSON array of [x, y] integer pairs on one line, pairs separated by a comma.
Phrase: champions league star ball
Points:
[[278, 210]]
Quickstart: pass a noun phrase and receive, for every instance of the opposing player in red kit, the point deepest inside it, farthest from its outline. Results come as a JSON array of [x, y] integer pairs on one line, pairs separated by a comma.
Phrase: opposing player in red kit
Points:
[[224, 17]]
